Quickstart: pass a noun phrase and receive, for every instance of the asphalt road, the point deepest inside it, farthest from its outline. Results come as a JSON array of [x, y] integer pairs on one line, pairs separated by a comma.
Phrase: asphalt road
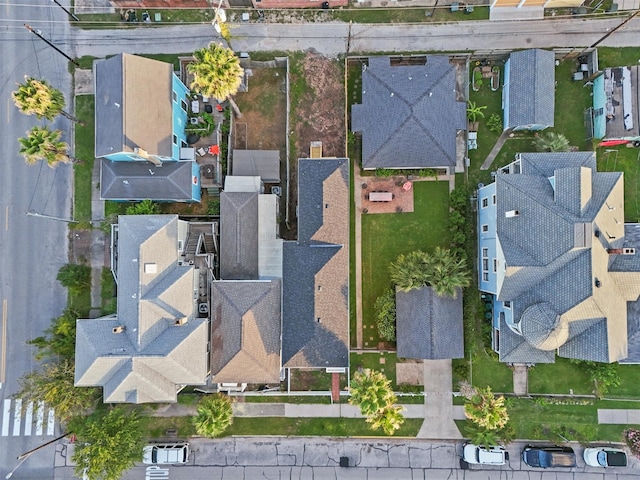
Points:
[[332, 38], [32, 249]]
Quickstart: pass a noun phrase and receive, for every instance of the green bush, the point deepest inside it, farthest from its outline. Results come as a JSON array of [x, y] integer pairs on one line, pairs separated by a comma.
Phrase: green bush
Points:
[[213, 207], [75, 277], [494, 123], [145, 207], [385, 308]]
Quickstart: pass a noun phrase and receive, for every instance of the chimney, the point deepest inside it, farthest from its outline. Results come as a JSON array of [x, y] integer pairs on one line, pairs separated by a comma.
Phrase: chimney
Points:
[[180, 321], [614, 251], [144, 154], [119, 329]]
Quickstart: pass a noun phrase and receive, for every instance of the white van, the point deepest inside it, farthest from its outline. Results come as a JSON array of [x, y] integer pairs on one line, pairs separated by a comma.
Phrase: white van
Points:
[[165, 454], [484, 456]]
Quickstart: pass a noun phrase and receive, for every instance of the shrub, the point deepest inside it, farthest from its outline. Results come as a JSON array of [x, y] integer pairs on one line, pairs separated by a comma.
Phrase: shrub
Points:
[[385, 308], [632, 439], [213, 207], [74, 277], [494, 123], [214, 416], [145, 207]]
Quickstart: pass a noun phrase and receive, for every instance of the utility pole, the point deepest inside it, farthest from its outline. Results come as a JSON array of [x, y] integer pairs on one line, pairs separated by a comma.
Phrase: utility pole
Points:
[[33, 213], [66, 11], [38, 34]]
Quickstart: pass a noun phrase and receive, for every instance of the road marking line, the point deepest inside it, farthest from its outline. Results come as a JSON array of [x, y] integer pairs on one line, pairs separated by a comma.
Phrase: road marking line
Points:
[[39, 417], [3, 359], [28, 419], [6, 413], [17, 417], [51, 421]]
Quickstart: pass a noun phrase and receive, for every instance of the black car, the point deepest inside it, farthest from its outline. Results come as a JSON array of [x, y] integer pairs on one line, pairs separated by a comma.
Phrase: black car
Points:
[[546, 456]]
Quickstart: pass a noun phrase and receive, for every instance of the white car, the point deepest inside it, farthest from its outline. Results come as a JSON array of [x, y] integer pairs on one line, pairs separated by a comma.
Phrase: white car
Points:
[[484, 456], [165, 454], [605, 457]]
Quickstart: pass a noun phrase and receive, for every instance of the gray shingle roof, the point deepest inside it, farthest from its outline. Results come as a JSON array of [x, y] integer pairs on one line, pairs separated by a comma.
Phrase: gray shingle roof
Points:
[[409, 116], [245, 339], [134, 181], [565, 289], [531, 88], [315, 313], [239, 236], [515, 349], [152, 356], [133, 105], [428, 326], [262, 163]]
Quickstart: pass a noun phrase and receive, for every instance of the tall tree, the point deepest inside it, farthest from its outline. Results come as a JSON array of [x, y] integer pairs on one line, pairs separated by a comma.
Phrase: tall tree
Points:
[[53, 385], [390, 419], [59, 340], [37, 97], [109, 443], [371, 391], [216, 73], [44, 144], [409, 271], [447, 272], [214, 415], [75, 277], [551, 142], [486, 410]]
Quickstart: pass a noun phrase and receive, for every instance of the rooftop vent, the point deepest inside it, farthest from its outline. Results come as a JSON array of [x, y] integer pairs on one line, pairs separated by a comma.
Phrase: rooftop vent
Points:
[[180, 321], [119, 329], [597, 233], [150, 268], [597, 283], [628, 251], [511, 213]]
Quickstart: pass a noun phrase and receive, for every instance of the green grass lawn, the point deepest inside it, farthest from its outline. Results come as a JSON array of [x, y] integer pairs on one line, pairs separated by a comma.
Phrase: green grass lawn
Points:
[[384, 362], [627, 160], [488, 371], [617, 57], [571, 101], [108, 292], [84, 151], [409, 15], [559, 378], [385, 236]]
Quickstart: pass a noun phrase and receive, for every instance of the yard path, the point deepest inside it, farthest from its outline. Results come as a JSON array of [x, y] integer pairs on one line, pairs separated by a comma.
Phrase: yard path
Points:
[[358, 246], [495, 150]]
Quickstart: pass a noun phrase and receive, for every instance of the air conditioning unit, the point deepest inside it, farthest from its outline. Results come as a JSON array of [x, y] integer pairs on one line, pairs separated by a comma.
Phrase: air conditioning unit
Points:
[[276, 190], [628, 251]]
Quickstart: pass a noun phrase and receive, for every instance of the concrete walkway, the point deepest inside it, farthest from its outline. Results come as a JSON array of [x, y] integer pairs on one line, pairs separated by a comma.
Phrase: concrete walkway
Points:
[[438, 406], [495, 150], [619, 416]]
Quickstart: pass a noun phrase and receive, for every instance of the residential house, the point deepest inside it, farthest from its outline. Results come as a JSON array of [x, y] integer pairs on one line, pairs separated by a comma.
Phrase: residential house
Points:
[[616, 96], [315, 309], [528, 94], [141, 111], [526, 9], [561, 267], [157, 342], [429, 326], [413, 113], [262, 163]]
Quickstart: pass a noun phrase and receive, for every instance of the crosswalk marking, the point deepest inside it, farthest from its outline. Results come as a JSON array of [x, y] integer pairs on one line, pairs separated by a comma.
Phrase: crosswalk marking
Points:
[[32, 414], [17, 417], [51, 422], [6, 414], [28, 419], [39, 418]]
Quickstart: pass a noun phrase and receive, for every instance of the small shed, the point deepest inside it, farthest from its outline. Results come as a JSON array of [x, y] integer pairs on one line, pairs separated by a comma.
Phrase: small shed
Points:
[[262, 163], [428, 326]]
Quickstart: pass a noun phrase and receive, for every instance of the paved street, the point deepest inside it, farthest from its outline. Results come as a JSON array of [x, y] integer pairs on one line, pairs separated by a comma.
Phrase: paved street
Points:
[[318, 459], [31, 248], [332, 38]]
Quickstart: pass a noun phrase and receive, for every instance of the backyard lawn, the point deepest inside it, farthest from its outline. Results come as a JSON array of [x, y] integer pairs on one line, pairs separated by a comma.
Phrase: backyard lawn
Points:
[[385, 236], [84, 151], [627, 160]]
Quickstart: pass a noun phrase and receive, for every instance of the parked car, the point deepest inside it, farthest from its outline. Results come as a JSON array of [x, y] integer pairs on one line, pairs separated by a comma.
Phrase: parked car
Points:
[[545, 456], [605, 457], [484, 456], [165, 454]]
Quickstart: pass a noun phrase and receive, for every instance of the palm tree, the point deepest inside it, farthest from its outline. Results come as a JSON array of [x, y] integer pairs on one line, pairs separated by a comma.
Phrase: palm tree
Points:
[[447, 272], [389, 419], [37, 97], [371, 391], [410, 271], [474, 111], [486, 410], [551, 142], [216, 73], [214, 415], [44, 144], [481, 436]]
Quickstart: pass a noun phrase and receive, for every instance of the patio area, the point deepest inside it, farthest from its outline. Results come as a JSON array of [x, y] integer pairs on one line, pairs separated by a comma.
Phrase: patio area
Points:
[[207, 147], [386, 195]]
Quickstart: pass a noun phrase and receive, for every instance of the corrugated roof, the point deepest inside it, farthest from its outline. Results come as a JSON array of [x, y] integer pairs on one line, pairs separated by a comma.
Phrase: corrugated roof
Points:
[[410, 115]]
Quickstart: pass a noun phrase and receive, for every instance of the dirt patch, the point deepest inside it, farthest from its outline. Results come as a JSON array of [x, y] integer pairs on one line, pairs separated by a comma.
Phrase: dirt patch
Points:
[[320, 116]]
